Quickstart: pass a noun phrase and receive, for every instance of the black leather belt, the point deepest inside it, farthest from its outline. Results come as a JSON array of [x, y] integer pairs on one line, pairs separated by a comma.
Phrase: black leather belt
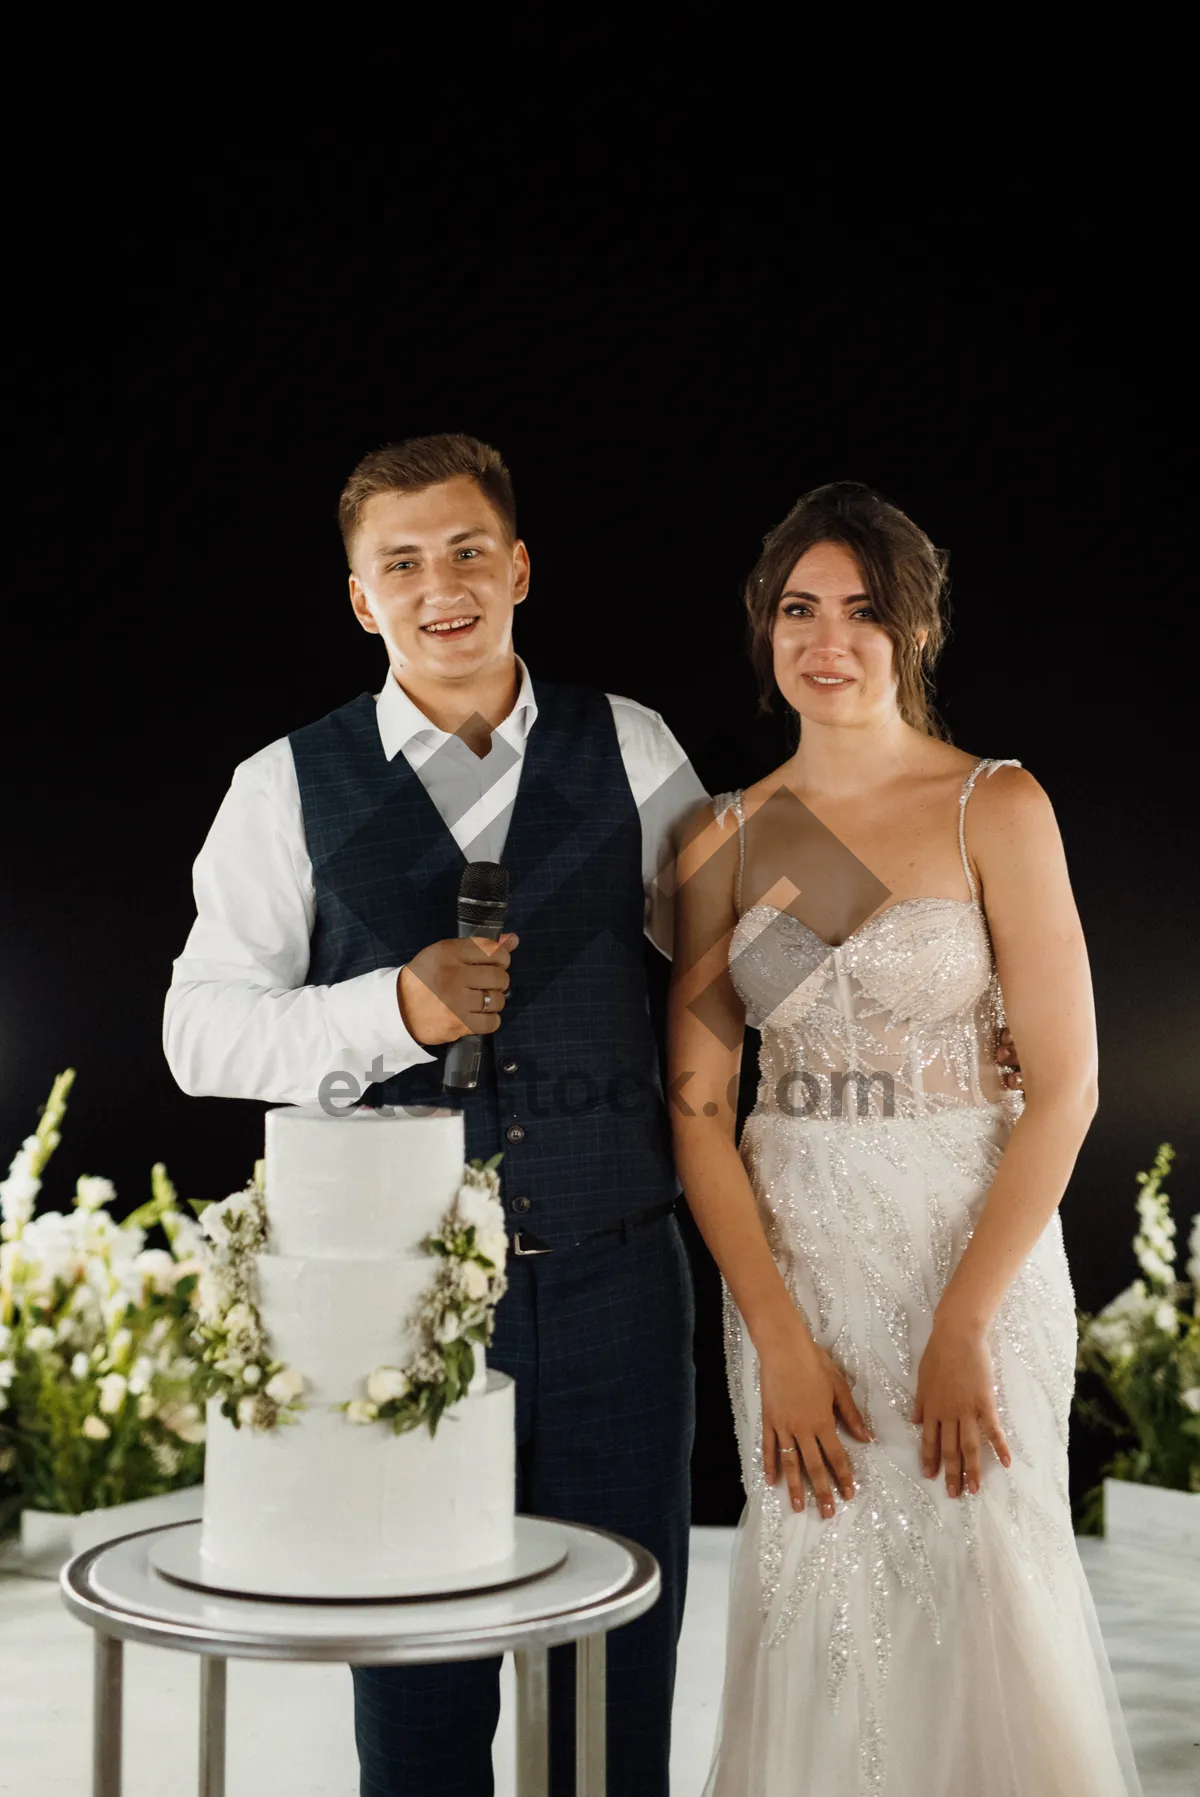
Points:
[[525, 1243]]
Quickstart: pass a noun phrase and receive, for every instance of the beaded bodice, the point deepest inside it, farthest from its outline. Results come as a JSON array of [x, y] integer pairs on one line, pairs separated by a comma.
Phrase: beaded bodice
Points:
[[899, 1020]]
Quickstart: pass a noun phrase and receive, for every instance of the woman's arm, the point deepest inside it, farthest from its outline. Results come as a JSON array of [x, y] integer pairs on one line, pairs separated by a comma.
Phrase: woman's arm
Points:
[[1042, 963], [706, 1023]]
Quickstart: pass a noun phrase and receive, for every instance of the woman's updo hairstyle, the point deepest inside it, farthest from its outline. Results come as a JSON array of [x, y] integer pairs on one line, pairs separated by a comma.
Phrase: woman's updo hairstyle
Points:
[[902, 573]]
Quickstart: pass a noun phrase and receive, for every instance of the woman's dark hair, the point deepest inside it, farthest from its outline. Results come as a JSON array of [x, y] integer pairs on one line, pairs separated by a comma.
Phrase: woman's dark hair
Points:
[[902, 573]]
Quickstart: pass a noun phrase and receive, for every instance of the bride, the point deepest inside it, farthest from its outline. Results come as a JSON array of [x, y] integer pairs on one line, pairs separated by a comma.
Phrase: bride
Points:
[[909, 1616]]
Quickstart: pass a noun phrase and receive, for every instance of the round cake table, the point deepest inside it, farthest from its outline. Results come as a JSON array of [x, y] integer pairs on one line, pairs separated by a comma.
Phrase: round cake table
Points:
[[603, 1583]]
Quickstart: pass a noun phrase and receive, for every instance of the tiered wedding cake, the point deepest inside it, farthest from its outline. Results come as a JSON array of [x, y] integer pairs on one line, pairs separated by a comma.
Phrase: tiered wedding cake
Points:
[[331, 1501]]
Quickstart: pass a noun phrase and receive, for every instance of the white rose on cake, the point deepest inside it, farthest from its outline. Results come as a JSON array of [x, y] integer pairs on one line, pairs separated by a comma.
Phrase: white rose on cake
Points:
[[213, 1293], [473, 1280], [386, 1384], [449, 1328], [360, 1410], [494, 1247], [476, 1206], [285, 1386]]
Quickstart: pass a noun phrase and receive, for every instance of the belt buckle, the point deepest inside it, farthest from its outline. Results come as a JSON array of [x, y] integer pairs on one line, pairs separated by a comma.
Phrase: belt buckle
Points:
[[520, 1249]]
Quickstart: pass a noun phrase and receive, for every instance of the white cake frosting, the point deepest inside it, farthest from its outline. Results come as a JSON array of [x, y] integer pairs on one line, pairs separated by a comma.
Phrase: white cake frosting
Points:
[[327, 1507]]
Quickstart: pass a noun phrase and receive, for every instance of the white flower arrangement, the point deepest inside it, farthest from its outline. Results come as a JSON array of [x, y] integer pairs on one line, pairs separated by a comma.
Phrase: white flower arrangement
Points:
[[456, 1313], [237, 1365], [1144, 1347], [95, 1330]]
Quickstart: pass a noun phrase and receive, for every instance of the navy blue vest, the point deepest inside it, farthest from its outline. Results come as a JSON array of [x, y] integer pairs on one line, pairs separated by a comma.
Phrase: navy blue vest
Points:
[[569, 1085]]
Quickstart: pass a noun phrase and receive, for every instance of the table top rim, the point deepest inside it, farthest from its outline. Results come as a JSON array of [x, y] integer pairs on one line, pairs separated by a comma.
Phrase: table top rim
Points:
[[549, 1628]]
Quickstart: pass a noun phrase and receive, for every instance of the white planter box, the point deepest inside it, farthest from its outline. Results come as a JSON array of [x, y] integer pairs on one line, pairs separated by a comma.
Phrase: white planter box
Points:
[[1148, 1516], [49, 1540]]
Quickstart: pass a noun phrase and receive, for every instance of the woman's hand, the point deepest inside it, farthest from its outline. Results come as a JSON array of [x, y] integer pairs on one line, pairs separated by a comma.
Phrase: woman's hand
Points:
[[802, 1388], [956, 1406]]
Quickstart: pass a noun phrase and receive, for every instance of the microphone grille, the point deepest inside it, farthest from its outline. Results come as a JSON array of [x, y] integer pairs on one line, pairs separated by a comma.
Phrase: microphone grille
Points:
[[486, 882]]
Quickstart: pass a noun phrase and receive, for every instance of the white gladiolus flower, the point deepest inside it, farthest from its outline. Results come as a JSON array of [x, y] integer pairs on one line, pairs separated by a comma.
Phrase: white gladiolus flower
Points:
[[1193, 1265], [1167, 1317], [121, 1343], [95, 1430], [159, 1267], [360, 1410], [146, 1406], [387, 1383], [18, 1193], [81, 1366], [112, 1389], [1191, 1398], [167, 1457], [285, 1386], [93, 1193], [8, 1372], [141, 1375], [40, 1339], [5, 1337], [186, 1421]]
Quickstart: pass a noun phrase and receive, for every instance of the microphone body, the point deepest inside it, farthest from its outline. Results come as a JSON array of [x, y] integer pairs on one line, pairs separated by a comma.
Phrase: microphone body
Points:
[[482, 906]]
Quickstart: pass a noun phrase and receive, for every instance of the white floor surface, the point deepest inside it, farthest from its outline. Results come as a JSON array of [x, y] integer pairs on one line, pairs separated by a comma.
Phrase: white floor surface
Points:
[[290, 1729]]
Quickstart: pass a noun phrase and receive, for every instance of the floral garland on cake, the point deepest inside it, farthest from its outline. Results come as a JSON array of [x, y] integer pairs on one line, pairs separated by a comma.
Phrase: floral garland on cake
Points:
[[256, 1390], [456, 1312]]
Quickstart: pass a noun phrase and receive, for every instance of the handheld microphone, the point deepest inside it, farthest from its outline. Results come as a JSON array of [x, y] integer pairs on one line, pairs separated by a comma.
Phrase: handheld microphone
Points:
[[482, 904]]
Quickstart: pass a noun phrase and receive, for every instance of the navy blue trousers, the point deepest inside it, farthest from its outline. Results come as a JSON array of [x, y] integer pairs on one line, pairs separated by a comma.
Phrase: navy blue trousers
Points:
[[599, 1341]]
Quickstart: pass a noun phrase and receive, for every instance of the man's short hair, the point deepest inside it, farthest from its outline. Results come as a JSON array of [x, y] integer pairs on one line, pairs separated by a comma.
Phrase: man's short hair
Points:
[[420, 462]]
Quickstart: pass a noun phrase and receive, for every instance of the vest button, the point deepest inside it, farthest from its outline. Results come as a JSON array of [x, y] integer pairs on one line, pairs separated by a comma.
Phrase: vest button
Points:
[[522, 1204], [515, 1133], [508, 1066]]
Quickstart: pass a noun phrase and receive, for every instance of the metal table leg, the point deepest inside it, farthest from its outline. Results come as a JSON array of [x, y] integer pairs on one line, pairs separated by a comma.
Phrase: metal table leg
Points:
[[591, 1717], [533, 1723], [212, 1726], [106, 1716]]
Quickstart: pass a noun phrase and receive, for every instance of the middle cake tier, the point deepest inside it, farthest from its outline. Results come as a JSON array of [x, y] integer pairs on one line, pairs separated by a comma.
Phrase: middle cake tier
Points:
[[335, 1321]]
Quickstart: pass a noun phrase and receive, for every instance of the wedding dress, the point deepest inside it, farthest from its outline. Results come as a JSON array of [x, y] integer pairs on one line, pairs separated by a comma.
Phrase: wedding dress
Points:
[[915, 1645]]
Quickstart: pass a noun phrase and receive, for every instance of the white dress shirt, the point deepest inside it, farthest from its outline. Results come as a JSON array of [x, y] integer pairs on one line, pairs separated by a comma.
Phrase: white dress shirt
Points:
[[239, 1020]]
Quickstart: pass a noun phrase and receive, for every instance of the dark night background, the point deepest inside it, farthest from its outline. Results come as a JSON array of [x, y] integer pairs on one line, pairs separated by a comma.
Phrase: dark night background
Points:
[[666, 364]]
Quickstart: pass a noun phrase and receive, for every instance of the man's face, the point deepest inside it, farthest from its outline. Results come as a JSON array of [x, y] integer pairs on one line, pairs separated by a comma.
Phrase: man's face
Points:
[[435, 577]]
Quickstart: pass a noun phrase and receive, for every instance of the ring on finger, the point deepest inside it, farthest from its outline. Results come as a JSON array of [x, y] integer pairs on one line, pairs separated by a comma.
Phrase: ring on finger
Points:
[[487, 1001], [788, 1450]]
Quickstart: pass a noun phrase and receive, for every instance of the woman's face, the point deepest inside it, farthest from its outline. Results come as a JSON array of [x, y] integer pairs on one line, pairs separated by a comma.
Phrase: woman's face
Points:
[[833, 660]]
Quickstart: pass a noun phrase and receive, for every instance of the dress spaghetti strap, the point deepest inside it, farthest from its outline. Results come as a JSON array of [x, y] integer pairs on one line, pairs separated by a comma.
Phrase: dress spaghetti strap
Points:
[[989, 767], [723, 802]]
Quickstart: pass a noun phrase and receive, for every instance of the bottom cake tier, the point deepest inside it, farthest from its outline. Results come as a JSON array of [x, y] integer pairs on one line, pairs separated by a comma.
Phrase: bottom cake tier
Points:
[[332, 1508]]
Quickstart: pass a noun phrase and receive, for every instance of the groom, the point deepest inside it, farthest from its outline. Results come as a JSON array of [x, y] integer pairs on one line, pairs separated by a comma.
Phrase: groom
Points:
[[323, 951]]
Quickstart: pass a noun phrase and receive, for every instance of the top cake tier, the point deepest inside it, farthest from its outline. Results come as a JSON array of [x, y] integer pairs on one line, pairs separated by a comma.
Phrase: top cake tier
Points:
[[359, 1183]]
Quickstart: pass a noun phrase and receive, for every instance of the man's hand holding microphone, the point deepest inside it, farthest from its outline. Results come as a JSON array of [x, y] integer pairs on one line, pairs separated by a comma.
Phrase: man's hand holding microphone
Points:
[[441, 991], [454, 990]]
